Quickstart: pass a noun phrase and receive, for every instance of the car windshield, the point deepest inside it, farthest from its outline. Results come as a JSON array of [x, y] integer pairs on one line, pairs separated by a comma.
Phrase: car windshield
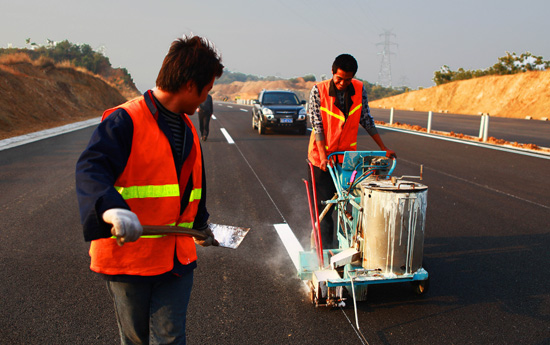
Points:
[[283, 98]]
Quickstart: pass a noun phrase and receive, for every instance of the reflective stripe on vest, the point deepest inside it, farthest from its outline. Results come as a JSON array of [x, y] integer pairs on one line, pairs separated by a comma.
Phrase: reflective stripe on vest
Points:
[[149, 185], [340, 132]]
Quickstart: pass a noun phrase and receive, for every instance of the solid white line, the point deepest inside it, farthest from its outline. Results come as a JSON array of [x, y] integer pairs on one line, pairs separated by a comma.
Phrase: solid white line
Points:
[[47, 133], [227, 136], [213, 116], [473, 143], [229, 106], [291, 243], [245, 110]]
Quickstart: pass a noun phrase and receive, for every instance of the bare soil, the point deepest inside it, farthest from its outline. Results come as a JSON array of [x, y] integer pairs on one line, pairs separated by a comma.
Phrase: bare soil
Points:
[[36, 95], [514, 96]]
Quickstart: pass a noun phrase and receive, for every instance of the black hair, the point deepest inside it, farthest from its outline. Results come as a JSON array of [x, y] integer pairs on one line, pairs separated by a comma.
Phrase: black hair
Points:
[[191, 58], [346, 63]]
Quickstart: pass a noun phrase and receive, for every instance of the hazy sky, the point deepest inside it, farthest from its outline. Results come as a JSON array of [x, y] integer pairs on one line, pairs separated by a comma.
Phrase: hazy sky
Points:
[[290, 38]]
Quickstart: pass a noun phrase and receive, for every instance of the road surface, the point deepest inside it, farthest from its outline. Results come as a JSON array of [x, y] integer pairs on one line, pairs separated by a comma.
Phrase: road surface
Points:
[[486, 247]]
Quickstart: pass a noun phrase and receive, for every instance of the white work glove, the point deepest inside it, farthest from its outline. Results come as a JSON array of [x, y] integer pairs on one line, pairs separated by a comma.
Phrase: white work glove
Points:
[[209, 241], [126, 225]]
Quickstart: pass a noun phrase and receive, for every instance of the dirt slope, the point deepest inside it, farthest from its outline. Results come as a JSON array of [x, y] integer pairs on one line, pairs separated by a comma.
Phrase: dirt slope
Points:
[[251, 89], [38, 95], [515, 96]]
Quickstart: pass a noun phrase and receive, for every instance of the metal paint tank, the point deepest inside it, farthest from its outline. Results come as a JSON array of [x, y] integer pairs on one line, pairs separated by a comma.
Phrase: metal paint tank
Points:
[[394, 216]]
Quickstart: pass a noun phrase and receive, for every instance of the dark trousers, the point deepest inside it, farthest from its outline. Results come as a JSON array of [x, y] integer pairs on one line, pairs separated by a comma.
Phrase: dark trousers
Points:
[[152, 313], [325, 191], [204, 123]]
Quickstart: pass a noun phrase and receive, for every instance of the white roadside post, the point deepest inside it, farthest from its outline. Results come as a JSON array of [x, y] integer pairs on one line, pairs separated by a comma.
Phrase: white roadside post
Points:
[[391, 116], [481, 126], [486, 129], [430, 114]]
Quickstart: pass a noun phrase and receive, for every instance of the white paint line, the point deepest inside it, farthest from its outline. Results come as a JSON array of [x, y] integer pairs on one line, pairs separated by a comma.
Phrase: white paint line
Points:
[[473, 143], [245, 110], [227, 136], [214, 116], [229, 106], [291, 243], [47, 133]]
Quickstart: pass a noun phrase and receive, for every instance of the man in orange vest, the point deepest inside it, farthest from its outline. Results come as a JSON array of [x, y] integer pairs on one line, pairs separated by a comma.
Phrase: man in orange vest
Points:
[[144, 165], [336, 108]]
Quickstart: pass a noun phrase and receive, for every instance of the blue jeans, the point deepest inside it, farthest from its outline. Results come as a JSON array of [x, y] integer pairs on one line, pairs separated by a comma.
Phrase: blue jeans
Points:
[[152, 313]]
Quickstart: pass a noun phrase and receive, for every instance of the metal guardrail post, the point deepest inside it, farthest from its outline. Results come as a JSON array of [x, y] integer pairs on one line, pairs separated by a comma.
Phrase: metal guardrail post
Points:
[[430, 114], [481, 126], [486, 129], [391, 116]]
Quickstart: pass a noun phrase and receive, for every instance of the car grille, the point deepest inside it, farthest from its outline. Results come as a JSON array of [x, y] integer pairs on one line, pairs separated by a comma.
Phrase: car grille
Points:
[[285, 112]]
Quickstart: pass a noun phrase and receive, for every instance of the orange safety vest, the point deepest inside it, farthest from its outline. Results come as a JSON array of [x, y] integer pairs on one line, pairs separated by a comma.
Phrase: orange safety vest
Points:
[[340, 132], [149, 184]]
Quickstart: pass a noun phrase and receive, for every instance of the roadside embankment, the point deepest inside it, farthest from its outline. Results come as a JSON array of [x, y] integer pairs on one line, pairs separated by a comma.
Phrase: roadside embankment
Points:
[[520, 95], [35, 95]]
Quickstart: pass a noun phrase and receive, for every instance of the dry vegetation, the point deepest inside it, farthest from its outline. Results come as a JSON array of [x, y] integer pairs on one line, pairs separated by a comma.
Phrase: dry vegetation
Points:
[[515, 96], [40, 94]]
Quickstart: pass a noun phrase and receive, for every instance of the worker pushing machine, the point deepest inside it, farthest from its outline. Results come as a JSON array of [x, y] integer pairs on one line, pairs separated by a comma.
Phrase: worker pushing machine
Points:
[[336, 108], [144, 165]]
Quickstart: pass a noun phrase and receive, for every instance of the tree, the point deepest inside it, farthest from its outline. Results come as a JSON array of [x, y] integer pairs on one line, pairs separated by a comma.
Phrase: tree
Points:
[[508, 64]]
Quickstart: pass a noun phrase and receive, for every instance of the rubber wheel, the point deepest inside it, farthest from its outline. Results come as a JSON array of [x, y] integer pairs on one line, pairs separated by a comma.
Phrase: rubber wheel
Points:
[[261, 128], [253, 122], [420, 287], [303, 130]]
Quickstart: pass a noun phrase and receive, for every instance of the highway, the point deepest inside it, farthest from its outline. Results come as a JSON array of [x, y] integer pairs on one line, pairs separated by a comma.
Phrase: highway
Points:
[[510, 129], [486, 247]]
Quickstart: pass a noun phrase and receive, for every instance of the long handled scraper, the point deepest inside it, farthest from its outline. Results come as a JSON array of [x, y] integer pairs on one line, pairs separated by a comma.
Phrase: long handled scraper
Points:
[[227, 235]]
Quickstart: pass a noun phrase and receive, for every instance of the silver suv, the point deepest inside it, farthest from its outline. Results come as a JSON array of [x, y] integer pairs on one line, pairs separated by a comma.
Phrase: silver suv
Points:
[[278, 109]]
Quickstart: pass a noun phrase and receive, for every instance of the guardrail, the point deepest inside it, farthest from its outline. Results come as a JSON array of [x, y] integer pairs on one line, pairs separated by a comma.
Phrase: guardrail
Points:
[[483, 125]]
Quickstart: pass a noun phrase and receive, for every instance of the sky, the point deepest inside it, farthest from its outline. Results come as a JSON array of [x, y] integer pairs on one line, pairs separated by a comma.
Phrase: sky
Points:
[[291, 38]]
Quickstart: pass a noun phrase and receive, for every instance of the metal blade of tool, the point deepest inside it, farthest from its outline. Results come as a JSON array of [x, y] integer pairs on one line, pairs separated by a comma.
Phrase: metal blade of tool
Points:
[[227, 235]]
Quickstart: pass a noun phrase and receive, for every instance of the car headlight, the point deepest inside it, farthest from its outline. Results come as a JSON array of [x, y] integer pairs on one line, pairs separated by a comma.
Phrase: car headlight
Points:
[[267, 111], [302, 114]]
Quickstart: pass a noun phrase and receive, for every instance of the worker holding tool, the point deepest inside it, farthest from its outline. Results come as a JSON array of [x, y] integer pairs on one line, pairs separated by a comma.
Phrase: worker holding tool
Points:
[[144, 166], [336, 108]]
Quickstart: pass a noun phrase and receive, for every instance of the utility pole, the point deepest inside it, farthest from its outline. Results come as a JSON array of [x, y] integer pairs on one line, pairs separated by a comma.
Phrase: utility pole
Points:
[[384, 76]]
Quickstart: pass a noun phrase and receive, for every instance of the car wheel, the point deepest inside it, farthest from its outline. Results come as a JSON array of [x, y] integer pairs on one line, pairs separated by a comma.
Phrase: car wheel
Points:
[[253, 122], [261, 127], [302, 130]]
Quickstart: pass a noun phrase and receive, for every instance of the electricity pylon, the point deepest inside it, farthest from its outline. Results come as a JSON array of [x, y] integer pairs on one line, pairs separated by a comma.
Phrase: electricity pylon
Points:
[[384, 76]]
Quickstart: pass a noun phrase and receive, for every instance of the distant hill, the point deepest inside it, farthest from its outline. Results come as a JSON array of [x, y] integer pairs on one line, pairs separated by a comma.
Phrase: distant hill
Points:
[[514, 96], [40, 94], [79, 55]]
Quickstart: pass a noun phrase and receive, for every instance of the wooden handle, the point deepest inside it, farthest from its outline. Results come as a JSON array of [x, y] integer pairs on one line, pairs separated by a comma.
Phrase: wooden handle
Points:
[[172, 230]]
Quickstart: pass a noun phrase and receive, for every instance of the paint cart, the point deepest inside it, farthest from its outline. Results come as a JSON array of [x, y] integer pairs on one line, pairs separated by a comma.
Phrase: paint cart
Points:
[[380, 230]]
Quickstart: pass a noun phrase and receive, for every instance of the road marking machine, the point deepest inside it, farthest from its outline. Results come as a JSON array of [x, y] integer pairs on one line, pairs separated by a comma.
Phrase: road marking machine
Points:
[[380, 230]]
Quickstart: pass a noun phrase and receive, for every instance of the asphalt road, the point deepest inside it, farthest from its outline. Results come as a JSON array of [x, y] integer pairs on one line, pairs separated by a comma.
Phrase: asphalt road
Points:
[[486, 248], [513, 130]]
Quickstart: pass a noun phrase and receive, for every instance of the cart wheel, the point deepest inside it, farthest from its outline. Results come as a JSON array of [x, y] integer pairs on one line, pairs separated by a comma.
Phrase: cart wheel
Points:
[[420, 287], [312, 293]]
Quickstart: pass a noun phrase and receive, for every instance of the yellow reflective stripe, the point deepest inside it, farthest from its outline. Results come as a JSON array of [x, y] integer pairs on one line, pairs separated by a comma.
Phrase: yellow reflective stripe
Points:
[[326, 147], [186, 225], [196, 194], [339, 117], [140, 192], [355, 109], [353, 144]]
